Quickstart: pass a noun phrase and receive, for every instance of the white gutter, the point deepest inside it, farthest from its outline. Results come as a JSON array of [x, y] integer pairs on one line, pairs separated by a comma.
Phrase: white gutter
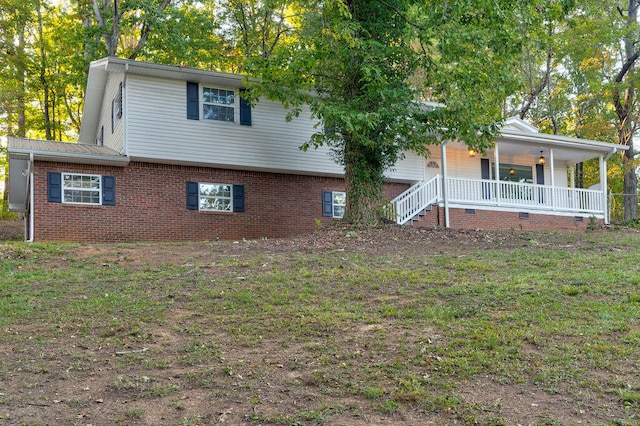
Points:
[[72, 157], [561, 141], [31, 203]]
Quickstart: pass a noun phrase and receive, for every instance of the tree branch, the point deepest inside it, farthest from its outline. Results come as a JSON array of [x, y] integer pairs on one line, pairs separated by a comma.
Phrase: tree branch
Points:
[[146, 30], [400, 14]]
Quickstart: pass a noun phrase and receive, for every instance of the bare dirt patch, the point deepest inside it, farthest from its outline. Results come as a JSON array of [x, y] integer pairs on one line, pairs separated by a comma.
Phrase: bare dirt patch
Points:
[[11, 230], [184, 369]]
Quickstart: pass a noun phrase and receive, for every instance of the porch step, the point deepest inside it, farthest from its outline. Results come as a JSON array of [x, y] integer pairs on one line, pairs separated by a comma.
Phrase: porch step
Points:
[[421, 214]]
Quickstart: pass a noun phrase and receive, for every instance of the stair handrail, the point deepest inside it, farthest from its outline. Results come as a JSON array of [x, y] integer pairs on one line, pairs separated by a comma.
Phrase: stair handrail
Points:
[[414, 200]]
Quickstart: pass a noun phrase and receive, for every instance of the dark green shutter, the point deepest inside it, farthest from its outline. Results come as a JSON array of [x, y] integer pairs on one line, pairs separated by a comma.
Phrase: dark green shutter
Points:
[[245, 111], [238, 198], [327, 203], [192, 195], [54, 187], [108, 190], [193, 101]]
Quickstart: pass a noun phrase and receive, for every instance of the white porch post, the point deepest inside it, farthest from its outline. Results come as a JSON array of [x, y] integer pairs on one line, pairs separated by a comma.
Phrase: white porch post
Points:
[[572, 175], [553, 180], [572, 178], [603, 186], [497, 166], [445, 195]]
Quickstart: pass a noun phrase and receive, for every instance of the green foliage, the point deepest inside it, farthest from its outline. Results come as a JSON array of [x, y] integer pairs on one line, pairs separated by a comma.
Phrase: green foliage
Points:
[[362, 67]]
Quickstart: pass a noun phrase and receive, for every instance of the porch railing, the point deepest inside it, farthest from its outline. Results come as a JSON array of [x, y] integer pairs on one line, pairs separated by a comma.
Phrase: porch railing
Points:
[[525, 195], [509, 195]]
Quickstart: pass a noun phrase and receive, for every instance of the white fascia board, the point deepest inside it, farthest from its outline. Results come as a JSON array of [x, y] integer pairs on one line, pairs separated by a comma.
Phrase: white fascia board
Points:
[[544, 138], [96, 85], [172, 72]]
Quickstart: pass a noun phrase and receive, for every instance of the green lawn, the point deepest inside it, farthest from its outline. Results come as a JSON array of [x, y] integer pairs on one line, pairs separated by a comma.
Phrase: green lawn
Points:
[[369, 327]]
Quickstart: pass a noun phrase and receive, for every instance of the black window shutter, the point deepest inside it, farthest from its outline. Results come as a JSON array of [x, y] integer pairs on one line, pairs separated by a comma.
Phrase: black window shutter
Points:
[[238, 198], [327, 203], [108, 190], [486, 175], [192, 195], [54, 187], [193, 101], [245, 111], [540, 174], [540, 181]]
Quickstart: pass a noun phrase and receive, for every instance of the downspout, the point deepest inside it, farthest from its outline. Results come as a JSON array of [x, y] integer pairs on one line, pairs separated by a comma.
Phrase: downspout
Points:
[[125, 116], [445, 195], [31, 201]]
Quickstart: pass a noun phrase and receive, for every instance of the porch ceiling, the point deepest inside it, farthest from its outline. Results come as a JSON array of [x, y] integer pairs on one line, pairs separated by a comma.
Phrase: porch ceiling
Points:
[[514, 146]]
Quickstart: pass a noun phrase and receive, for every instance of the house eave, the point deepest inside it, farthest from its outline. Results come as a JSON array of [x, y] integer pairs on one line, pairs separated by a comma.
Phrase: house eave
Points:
[[564, 141], [39, 155], [39, 150]]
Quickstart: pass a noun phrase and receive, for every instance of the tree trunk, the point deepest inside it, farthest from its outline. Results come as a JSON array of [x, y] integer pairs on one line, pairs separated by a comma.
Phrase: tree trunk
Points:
[[624, 102], [43, 76], [630, 185], [364, 177]]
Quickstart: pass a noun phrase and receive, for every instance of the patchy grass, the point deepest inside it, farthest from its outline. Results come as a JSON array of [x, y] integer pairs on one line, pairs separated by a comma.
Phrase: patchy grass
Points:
[[393, 325]]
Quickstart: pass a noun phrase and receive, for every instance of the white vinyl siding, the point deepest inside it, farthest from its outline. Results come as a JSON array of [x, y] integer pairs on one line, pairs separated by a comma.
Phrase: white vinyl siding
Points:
[[115, 139], [158, 129], [460, 165]]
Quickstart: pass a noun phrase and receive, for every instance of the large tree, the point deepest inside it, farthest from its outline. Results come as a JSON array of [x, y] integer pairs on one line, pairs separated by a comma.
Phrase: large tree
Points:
[[366, 67]]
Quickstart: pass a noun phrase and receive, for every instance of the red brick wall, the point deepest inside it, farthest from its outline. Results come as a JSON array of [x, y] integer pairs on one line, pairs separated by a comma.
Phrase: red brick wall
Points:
[[497, 220], [151, 205]]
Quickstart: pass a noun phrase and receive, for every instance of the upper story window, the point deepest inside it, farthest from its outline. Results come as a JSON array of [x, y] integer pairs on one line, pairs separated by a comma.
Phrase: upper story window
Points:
[[218, 104]]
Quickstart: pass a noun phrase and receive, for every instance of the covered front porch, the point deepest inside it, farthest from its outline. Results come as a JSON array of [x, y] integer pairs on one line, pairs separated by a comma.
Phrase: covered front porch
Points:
[[525, 172]]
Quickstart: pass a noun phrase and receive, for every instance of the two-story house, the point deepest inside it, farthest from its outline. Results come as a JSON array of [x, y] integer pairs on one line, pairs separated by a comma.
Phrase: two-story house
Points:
[[172, 153]]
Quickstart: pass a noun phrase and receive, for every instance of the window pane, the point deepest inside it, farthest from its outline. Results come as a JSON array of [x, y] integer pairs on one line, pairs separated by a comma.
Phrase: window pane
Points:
[[220, 113], [338, 211], [513, 173], [339, 198], [83, 189], [215, 196], [218, 104]]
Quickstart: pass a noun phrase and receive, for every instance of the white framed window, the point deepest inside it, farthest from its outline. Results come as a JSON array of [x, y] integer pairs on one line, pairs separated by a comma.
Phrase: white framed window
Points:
[[333, 203], [218, 104], [339, 201], [81, 188], [217, 197]]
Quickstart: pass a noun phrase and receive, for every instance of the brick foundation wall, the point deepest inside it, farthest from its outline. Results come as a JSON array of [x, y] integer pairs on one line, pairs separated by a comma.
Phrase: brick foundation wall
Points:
[[499, 220], [151, 205]]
